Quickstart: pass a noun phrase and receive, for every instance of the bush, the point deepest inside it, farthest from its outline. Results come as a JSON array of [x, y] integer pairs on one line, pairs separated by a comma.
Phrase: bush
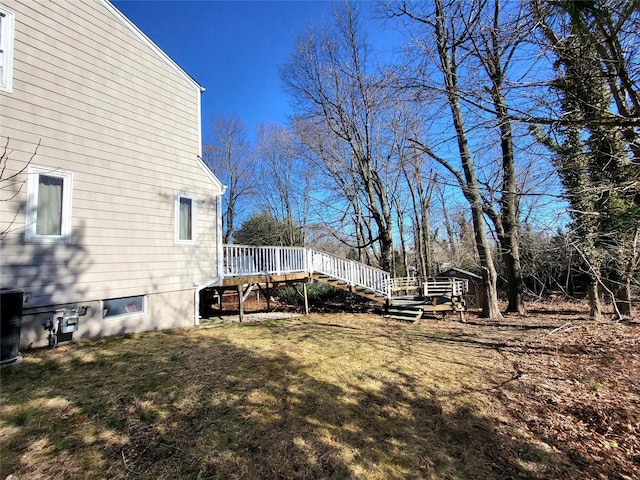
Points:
[[321, 297]]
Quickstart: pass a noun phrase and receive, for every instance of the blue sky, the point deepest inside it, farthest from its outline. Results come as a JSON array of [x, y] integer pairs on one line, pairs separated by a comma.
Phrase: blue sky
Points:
[[235, 48], [232, 48]]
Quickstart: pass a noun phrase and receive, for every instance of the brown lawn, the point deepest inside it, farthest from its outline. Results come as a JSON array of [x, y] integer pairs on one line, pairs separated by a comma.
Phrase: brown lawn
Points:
[[551, 395]]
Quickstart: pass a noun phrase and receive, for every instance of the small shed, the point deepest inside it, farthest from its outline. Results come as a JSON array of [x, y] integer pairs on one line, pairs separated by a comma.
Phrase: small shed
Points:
[[476, 295]]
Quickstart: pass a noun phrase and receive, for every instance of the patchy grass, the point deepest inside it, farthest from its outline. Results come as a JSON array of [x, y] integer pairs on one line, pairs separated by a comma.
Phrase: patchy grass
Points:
[[322, 396]]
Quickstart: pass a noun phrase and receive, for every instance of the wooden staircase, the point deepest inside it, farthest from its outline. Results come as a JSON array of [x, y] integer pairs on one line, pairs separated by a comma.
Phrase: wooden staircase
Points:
[[348, 287], [430, 297], [407, 309], [246, 265]]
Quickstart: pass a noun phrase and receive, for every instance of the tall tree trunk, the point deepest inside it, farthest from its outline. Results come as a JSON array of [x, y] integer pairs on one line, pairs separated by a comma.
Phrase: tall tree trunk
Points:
[[420, 201], [495, 55], [509, 208], [448, 43], [595, 307], [510, 241], [403, 240], [427, 243], [453, 244], [227, 219], [386, 249], [623, 299], [470, 187]]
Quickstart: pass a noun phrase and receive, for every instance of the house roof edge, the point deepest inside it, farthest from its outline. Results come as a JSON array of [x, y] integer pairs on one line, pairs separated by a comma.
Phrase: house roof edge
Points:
[[212, 176], [150, 43]]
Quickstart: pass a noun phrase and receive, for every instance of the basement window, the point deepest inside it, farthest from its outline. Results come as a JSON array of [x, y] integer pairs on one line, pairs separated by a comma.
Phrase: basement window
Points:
[[124, 307]]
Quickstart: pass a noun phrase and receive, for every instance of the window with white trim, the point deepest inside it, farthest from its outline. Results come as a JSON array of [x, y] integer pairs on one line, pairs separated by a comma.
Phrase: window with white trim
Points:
[[185, 214], [48, 217], [123, 307], [6, 49]]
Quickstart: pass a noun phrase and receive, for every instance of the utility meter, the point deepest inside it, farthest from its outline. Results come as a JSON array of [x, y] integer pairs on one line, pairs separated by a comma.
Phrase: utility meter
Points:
[[69, 320]]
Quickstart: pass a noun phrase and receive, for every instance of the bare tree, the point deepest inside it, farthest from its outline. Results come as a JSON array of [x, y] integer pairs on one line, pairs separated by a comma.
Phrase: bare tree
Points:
[[446, 30], [285, 180], [450, 240], [339, 205], [494, 38], [420, 185], [343, 100], [229, 156]]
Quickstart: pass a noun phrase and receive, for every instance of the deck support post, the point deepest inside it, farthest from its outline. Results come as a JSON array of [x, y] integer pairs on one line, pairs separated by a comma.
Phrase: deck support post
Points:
[[267, 295], [306, 298], [267, 290], [240, 302]]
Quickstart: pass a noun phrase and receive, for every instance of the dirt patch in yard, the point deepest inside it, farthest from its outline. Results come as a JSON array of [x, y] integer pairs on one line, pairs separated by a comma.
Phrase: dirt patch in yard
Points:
[[549, 395]]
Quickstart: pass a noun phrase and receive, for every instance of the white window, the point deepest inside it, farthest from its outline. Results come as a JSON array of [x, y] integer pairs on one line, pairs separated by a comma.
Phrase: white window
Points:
[[124, 307], [48, 216], [185, 213], [6, 49]]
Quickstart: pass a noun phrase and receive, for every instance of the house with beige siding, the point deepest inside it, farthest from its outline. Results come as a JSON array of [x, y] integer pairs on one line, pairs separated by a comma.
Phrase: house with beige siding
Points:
[[105, 203]]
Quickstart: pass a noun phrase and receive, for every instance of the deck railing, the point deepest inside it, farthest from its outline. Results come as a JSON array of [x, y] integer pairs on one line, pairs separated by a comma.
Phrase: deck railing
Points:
[[244, 261], [433, 287], [453, 287], [352, 272], [405, 284]]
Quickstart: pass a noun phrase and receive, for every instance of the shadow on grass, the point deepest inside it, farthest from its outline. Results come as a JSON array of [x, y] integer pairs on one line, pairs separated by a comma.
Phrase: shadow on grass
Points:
[[197, 404]]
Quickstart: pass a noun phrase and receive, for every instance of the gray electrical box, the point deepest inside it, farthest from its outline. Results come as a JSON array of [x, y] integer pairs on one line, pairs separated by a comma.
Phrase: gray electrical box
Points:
[[69, 320]]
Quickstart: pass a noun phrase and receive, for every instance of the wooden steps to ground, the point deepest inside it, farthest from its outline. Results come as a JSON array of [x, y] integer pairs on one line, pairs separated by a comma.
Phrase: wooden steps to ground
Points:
[[435, 297], [412, 308], [409, 310]]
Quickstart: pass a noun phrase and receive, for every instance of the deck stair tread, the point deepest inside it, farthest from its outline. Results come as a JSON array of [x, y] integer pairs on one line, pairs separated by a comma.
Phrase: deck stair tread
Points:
[[346, 286], [407, 311], [407, 301]]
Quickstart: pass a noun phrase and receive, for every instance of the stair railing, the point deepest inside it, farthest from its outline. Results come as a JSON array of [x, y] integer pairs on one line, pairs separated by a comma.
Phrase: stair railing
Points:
[[245, 261], [351, 272]]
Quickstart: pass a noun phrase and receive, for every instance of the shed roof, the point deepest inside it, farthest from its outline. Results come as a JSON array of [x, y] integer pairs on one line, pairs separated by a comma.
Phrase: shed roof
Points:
[[454, 270]]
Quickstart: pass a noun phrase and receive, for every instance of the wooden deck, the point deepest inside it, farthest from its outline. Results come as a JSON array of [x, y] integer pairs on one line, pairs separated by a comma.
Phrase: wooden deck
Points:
[[267, 268], [257, 279]]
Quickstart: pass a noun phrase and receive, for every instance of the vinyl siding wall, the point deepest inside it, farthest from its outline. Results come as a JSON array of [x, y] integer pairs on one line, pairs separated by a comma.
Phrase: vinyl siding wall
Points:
[[109, 109]]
